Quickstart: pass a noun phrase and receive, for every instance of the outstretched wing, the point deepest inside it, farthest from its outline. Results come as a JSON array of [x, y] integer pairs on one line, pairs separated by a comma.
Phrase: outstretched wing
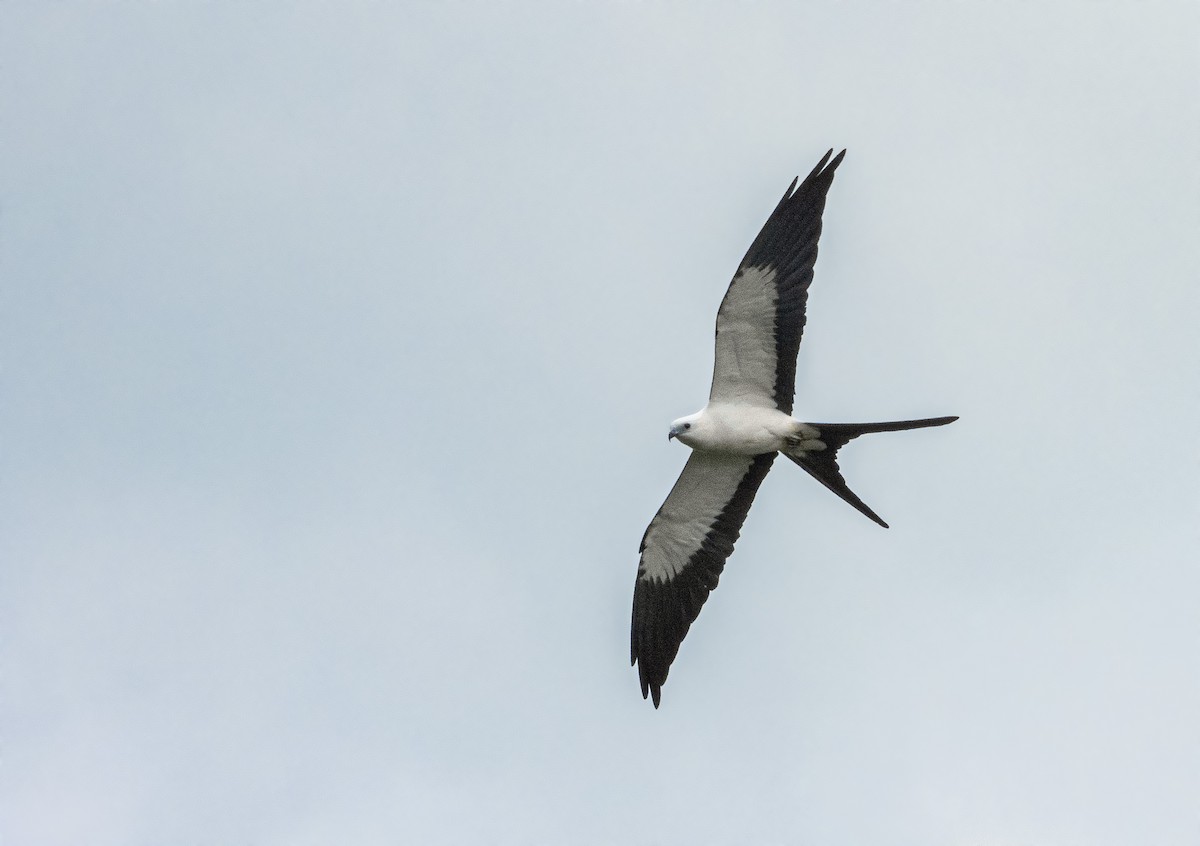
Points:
[[761, 317], [683, 553]]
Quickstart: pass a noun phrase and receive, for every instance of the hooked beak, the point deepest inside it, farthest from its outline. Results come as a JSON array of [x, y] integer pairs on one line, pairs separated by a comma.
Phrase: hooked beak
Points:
[[670, 436]]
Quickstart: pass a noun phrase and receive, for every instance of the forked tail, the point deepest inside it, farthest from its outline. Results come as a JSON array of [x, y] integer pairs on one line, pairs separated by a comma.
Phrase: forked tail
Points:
[[822, 464]]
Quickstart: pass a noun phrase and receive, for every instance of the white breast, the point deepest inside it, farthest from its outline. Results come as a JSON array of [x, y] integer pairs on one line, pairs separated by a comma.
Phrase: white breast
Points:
[[739, 429]]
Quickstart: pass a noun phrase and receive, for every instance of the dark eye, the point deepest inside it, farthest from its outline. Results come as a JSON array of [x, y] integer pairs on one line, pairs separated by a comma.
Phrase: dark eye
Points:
[[687, 425]]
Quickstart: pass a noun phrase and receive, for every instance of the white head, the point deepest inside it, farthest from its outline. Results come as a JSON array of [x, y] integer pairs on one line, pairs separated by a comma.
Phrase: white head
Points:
[[684, 428]]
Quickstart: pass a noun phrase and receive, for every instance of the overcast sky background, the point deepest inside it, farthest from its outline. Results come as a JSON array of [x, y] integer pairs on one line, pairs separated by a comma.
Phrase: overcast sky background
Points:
[[339, 343]]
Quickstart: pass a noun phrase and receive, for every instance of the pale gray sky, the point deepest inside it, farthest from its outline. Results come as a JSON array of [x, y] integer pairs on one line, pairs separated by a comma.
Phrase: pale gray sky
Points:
[[339, 343]]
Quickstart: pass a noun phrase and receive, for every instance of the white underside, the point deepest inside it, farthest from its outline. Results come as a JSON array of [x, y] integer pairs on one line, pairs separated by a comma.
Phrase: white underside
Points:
[[745, 364], [746, 430], [678, 529]]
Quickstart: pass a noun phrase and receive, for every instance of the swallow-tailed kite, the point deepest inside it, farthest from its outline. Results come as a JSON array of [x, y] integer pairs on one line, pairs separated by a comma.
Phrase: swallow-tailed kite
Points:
[[735, 438]]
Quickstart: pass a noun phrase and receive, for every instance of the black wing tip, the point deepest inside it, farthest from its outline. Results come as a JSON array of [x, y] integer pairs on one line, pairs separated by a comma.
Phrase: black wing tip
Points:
[[819, 170], [825, 160], [828, 167], [650, 689]]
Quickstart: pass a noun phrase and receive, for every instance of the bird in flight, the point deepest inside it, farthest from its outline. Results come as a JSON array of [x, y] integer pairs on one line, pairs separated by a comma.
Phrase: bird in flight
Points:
[[735, 438]]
